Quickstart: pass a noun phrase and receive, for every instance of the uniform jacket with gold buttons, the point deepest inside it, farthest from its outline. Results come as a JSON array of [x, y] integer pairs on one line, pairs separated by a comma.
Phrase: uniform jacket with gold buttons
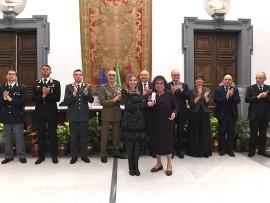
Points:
[[12, 111], [47, 107], [111, 110], [78, 109]]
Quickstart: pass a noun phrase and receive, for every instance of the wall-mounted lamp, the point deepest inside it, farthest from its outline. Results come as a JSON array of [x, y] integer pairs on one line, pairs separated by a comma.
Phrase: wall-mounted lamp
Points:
[[10, 9], [217, 9]]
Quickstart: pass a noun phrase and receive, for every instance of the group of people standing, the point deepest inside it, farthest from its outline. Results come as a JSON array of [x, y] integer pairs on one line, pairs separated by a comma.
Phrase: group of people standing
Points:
[[46, 92], [152, 111], [175, 104]]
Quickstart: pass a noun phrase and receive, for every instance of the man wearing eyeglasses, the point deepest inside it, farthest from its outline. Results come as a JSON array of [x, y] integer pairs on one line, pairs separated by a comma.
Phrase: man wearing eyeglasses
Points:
[[110, 99], [12, 101], [258, 97], [180, 91], [46, 93]]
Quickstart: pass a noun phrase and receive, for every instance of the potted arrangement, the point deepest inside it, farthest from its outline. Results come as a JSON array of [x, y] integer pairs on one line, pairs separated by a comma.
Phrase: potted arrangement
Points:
[[242, 133], [63, 138], [30, 137], [214, 133], [93, 130], [1, 138]]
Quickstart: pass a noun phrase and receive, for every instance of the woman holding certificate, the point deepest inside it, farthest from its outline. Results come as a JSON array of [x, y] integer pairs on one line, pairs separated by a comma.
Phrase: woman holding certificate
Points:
[[162, 114]]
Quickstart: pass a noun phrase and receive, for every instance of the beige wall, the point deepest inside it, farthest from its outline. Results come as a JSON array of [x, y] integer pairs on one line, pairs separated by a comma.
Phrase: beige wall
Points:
[[65, 53]]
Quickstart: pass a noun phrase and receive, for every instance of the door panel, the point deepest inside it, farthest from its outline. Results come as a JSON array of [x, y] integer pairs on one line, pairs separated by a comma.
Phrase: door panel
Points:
[[214, 55], [27, 62], [7, 54]]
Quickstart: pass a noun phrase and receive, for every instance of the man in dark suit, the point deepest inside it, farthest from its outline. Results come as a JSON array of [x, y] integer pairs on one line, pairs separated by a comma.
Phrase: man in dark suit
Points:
[[258, 97], [12, 100], [146, 87], [46, 93], [77, 96], [226, 98], [110, 99], [181, 94]]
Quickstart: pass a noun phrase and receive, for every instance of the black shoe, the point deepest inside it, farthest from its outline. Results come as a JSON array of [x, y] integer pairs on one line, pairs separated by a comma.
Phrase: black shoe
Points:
[[264, 154], [73, 160], [230, 153], [23, 160], [5, 161], [251, 154], [221, 153], [40, 159], [85, 159], [119, 156], [153, 170], [54, 160], [169, 173], [180, 155], [104, 159]]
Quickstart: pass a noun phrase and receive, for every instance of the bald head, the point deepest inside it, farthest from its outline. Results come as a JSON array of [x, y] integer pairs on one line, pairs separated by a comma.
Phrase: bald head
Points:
[[144, 76], [227, 80], [260, 78], [175, 74]]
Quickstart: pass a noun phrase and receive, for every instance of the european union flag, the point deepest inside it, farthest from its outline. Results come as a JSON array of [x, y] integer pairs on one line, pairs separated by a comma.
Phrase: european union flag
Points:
[[102, 80]]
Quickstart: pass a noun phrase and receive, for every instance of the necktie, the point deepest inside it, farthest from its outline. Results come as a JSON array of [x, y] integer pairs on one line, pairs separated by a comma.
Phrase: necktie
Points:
[[144, 85], [261, 88], [78, 87], [226, 89], [45, 81], [10, 87]]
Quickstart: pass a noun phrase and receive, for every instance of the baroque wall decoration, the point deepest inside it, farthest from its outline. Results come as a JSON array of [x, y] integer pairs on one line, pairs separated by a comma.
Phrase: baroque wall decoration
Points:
[[115, 32]]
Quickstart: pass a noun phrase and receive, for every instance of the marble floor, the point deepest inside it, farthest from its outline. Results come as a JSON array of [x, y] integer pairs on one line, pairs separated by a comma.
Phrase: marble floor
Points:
[[216, 179]]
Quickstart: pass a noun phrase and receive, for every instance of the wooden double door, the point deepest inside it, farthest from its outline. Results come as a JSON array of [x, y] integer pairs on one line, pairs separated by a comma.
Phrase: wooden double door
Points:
[[214, 55], [18, 51]]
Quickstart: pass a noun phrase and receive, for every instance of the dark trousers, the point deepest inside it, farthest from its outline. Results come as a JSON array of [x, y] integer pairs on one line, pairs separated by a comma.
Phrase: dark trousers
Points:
[[78, 132], [226, 133], [260, 124], [42, 136]]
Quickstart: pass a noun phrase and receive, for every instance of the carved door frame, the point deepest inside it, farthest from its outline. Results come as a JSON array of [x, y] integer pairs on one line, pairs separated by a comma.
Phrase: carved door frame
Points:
[[245, 45], [40, 24]]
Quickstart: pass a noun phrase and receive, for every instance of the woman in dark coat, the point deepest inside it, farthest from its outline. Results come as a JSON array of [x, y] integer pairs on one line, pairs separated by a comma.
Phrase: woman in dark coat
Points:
[[199, 137], [133, 129], [162, 115]]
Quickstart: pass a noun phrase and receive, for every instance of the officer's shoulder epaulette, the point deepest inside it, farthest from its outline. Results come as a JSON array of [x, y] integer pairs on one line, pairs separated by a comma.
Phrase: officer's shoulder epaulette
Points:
[[103, 85], [85, 84], [70, 84]]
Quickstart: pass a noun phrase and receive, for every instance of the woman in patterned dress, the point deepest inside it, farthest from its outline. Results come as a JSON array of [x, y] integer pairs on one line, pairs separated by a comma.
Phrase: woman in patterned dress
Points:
[[133, 129]]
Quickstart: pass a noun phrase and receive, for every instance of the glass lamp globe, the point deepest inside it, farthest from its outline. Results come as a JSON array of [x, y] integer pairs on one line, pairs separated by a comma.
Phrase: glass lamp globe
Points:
[[16, 6], [218, 7]]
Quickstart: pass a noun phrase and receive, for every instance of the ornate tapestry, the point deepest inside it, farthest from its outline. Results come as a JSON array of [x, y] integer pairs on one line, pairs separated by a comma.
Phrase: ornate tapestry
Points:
[[115, 32]]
